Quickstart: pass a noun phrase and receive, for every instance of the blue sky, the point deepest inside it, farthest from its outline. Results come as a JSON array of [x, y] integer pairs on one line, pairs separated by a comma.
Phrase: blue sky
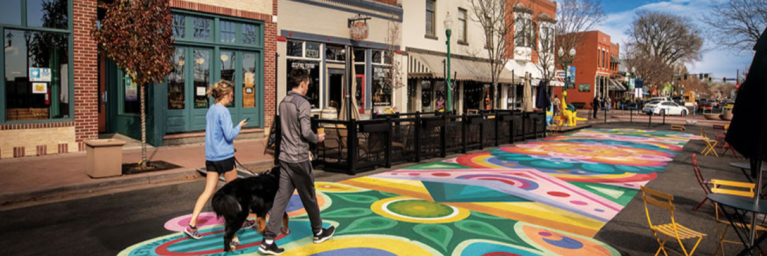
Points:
[[717, 61]]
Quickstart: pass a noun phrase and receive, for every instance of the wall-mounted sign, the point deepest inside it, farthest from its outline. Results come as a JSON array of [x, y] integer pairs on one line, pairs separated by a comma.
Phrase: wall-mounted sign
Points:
[[201, 91], [39, 88], [584, 87], [358, 30], [39, 74]]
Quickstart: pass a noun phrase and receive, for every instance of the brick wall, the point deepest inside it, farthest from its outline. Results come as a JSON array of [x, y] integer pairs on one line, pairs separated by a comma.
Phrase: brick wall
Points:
[[86, 71], [38, 141]]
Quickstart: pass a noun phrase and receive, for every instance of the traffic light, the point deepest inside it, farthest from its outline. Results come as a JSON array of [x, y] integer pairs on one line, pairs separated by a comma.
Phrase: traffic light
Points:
[[700, 76], [709, 80], [724, 80], [705, 75]]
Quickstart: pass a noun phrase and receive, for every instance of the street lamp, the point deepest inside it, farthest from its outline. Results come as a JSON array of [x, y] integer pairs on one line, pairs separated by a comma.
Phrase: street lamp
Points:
[[566, 62], [448, 31]]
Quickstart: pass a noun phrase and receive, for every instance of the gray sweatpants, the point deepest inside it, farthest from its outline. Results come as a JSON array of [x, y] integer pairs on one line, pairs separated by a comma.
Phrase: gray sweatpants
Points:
[[294, 176]]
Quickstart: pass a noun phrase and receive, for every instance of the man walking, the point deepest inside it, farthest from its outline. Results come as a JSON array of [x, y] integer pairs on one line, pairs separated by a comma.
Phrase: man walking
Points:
[[595, 105], [295, 164]]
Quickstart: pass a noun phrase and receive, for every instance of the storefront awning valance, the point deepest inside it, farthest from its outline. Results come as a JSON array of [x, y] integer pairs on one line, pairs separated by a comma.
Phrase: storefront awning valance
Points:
[[421, 65], [614, 59], [616, 86]]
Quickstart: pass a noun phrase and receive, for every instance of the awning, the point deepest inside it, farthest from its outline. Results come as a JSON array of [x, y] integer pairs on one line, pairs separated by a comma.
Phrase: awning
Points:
[[614, 59], [616, 86], [422, 65]]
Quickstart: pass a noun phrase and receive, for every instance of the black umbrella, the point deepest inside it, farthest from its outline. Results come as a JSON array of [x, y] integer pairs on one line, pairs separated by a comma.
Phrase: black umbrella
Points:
[[542, 100], [748, 129]]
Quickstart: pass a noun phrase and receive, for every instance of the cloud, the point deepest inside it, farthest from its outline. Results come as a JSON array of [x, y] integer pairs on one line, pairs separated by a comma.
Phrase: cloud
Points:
[[719, 62]]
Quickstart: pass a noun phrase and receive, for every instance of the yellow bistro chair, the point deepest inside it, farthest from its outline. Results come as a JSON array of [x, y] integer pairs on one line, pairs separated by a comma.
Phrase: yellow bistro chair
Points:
[[710, 143], [668, 230], [735, 188]]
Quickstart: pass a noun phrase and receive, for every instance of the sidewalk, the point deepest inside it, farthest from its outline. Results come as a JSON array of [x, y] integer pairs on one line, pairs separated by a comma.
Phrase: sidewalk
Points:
[[34, 178]]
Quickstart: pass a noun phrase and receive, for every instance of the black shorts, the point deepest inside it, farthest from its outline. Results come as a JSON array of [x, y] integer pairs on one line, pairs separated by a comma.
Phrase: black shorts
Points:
[[222, 166]]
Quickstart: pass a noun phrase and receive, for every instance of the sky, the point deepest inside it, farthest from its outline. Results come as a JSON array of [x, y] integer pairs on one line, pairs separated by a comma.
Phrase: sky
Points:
[[719, 62]]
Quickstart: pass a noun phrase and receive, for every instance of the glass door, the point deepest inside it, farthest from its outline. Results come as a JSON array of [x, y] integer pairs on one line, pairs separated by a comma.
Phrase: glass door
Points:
[[250, 87], [199, 79], [188, 83]]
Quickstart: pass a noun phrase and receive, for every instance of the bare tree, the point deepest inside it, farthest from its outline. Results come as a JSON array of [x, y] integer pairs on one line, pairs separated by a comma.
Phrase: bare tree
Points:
[[736, 24], [393, 40], [546, 52], [573, 17], [493, 16], [657, 41]]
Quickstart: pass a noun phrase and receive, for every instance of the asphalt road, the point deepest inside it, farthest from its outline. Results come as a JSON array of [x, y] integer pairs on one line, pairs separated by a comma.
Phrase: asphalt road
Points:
[[107, 224]]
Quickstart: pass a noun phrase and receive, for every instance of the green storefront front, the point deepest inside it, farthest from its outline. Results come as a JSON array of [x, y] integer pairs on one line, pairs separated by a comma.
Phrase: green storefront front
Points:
[[209, 48]]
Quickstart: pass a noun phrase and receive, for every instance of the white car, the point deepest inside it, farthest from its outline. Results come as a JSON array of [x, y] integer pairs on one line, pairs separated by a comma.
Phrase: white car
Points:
[[664, 108]]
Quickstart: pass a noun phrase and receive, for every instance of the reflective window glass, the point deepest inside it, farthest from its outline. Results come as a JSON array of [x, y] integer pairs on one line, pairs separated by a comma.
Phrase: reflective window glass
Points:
[[295, 49], [228, 34], [201, 77], [248, 80], [36, 75], [177, 80], [47, 13], [249, 34], [11, 12], [179, 26], [202, 27]]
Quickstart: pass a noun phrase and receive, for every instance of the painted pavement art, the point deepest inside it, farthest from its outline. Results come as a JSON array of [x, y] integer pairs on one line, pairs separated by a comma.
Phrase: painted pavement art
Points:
[[544, 197]]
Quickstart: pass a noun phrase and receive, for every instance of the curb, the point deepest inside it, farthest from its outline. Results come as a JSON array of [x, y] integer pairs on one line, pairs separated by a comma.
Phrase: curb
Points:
[[111, 183]]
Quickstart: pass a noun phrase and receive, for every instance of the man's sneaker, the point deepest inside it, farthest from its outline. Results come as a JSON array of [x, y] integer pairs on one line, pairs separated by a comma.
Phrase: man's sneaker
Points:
[[192, 232], [248, 223], [270, 249], [325, 234]]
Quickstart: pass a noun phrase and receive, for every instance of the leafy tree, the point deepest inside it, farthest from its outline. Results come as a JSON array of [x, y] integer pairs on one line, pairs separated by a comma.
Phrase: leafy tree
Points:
[[138, 36]]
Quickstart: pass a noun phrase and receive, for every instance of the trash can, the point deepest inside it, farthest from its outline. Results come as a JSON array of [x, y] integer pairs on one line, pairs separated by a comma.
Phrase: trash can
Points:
[[104, 157]]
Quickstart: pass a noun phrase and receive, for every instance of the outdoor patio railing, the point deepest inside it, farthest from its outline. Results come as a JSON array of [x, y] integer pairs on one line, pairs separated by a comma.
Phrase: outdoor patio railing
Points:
[[359, 145]]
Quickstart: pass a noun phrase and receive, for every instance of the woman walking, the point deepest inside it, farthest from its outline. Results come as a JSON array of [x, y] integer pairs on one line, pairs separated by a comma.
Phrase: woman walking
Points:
[[219, 150]]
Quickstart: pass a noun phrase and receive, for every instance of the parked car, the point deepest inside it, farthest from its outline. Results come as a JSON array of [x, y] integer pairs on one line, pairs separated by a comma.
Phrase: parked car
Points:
[[660, 98], [704, 104], [664, 108]]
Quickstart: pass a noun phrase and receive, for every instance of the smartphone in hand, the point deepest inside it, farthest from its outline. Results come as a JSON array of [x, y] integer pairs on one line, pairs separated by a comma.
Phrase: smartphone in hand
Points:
[[247, 119]]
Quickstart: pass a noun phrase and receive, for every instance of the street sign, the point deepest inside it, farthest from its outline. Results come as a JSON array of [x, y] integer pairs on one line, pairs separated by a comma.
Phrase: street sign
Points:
[[732, 79]]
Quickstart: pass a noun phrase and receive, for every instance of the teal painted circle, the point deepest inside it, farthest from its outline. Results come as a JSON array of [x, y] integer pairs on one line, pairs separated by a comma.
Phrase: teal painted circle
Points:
[[549, 164], [598, 168], [627, 168]]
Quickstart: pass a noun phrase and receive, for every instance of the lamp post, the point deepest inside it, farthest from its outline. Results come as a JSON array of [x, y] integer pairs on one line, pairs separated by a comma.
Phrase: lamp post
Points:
[[566, 62], [448, 31]]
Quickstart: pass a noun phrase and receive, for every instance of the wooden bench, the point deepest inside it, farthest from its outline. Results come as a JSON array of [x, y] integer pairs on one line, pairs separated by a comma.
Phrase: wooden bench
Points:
[[678, 127]]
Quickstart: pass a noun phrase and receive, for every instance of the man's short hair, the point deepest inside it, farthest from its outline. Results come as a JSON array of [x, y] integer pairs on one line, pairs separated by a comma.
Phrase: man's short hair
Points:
[[298, 75]]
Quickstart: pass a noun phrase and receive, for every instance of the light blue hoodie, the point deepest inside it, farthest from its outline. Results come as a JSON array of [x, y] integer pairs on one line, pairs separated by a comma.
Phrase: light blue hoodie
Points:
[[219, 134]]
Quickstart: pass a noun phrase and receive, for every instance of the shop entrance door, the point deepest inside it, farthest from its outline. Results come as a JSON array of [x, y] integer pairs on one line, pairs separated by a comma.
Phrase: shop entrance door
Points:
[[335, 87]]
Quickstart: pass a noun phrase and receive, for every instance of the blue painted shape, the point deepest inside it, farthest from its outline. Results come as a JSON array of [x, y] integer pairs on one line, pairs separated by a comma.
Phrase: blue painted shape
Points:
[[356, 251], [294, 204], [566, 242], [449, 192]]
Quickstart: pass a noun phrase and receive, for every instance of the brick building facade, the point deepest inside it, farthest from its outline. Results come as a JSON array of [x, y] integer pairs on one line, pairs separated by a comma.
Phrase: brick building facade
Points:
[[58, 113], [596, 60]]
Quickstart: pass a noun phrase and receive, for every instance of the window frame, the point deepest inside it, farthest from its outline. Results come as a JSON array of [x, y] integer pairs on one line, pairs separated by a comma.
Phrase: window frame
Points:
[[465, 39], [433, 33], [69, 32], [320, 63]]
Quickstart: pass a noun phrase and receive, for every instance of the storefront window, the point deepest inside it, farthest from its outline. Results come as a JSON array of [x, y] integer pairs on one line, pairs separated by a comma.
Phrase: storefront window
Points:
[[295, 49], [228, 62], [381, 86], [47, 13], [36, 75], [228, 34], [314, 71], [249, 34], [11, 12], [473, 95], [335, 53], [376, 56], [131, 104], [359, 55], [201, 77], [313, 50], [202, 27], [249, 80], [176, 81], [179, 26]]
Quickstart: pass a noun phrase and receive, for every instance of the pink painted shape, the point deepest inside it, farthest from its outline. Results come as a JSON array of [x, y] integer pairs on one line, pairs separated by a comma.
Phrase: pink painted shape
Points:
[[205, 219]]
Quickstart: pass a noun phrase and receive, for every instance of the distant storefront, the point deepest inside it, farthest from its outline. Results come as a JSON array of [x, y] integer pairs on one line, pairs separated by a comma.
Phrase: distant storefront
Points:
[[315, 35]]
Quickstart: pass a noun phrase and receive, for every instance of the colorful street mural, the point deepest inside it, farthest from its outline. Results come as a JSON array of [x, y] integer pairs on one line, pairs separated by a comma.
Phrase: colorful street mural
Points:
[[544, 197]]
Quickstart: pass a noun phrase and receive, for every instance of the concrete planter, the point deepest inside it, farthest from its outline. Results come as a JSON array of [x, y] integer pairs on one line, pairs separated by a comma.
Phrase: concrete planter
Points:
[[727, 115], [711, 116], [104, 158]]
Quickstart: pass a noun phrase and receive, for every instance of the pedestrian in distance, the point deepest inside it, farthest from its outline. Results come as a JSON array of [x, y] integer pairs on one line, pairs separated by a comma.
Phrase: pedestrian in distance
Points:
[[557, 104], [595, 105], [219, 149], [295, 163]]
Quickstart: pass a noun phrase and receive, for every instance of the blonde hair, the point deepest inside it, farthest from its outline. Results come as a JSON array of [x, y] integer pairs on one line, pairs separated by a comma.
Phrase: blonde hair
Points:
[[221, 89]]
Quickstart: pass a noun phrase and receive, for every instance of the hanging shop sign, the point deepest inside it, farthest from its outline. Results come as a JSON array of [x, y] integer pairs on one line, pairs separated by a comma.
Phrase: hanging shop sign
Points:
[[39, 74], [358, 27]]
